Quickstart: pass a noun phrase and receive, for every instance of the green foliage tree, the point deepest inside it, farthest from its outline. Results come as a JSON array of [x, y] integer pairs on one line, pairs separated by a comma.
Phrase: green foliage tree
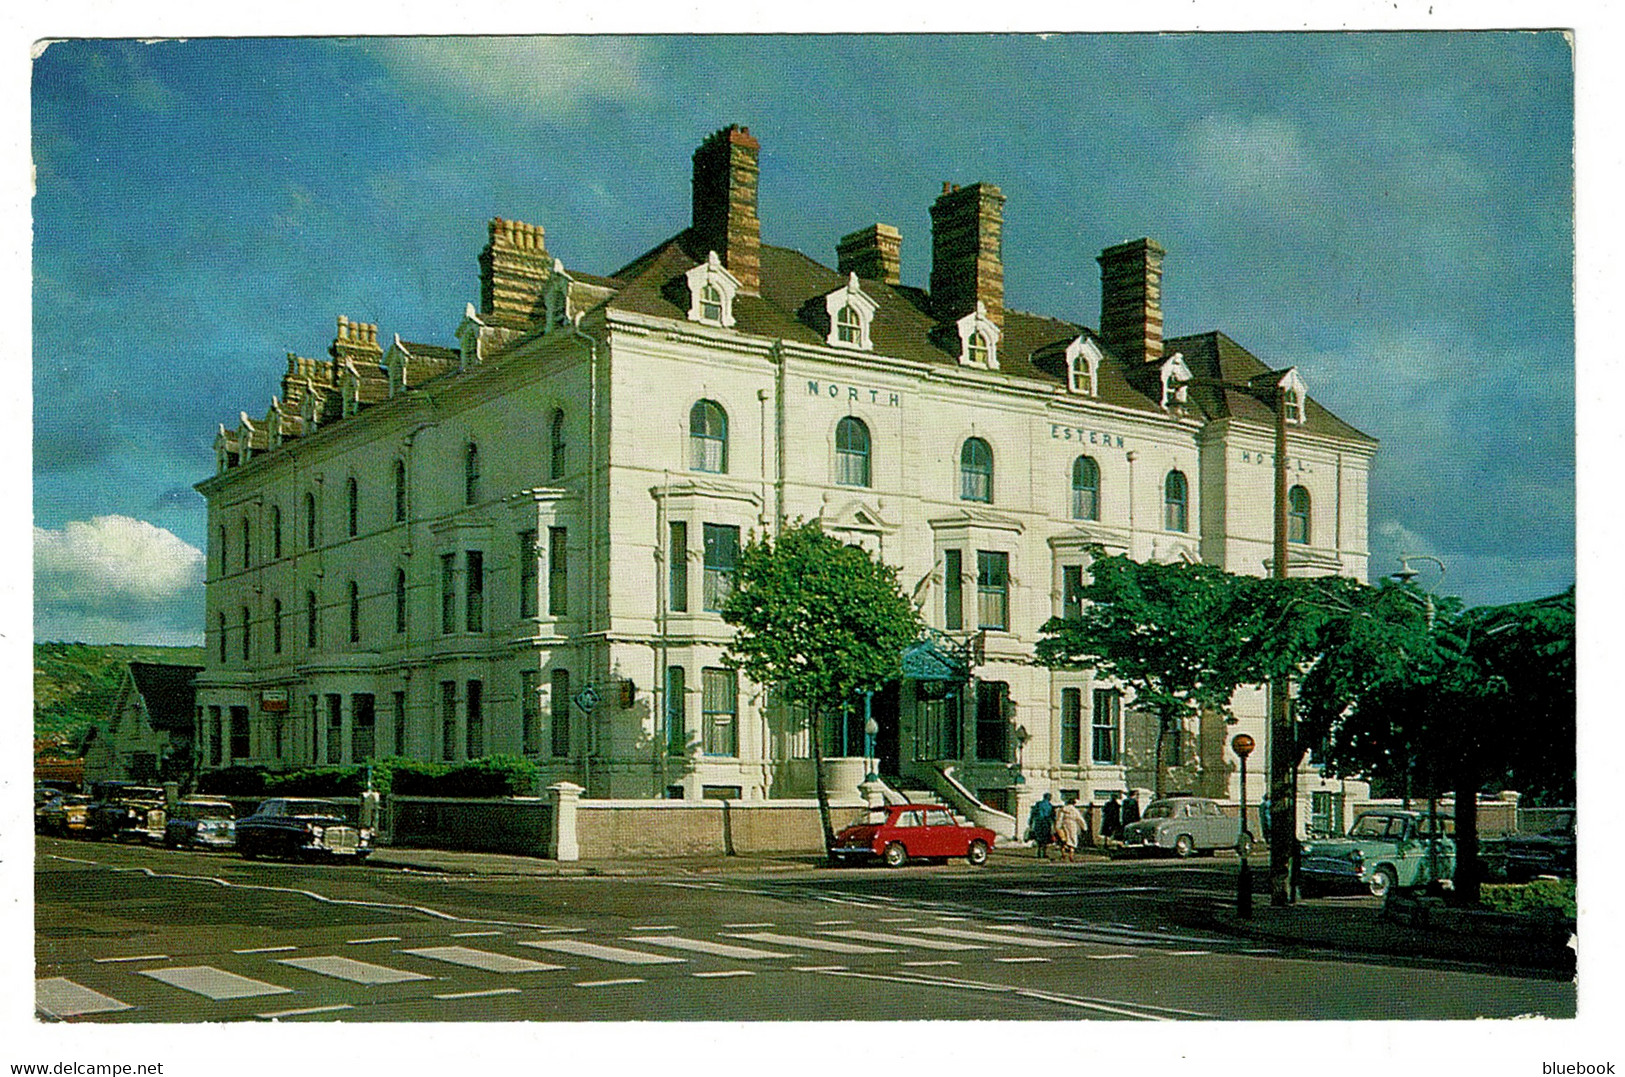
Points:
[[818, 622]]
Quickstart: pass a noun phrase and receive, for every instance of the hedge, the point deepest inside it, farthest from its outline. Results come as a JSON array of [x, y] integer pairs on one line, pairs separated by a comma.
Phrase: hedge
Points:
[[491, 776]]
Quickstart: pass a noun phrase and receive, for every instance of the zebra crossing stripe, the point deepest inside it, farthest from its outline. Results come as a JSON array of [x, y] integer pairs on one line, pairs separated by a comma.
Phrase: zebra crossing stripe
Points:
[[609, 983], [804, 943], [602, 953], [304, 1012], [989, 936], [480, 994], [919, 941], [213, 983], [480, 959], [701, 946], [61, 997], [344, 968]]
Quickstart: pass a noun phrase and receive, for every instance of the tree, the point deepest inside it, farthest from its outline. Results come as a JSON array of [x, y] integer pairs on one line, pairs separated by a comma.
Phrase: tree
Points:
[[819, 622]]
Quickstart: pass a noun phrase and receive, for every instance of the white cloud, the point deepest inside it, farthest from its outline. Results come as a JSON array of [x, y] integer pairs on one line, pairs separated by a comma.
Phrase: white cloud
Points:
[[112, 561], [1253, 160], [544, 78]]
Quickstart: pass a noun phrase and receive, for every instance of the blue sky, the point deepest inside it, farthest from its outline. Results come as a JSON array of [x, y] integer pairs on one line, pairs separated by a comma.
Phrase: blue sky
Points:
[[1391, 213]]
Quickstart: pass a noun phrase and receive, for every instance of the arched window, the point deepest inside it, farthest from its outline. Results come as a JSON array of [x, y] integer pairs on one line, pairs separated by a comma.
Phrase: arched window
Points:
[[355, 613], [848, 326], [708, 437], [276, 532], [711, 303], [976, 348], [310, 521], [1175, 502], [976, 471], [400, 491], [1297, 515], [312, 626], [1085, 489], [556, 445], [247, 641], [852, 452], [352, 496], [276, 626], [400, 600], [471, 474]]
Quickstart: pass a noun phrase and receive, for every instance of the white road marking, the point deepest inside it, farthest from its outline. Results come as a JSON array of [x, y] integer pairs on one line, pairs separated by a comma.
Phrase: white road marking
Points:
[[1260, 951], [301, 1013], [1020, 960], [135, 957], [480, 959], [720, 975], [898, 920], [481, 994], [609, 983], [474, 934], [61, 997], [829, 923], [267, 950], [369, 942], [990, 936], [805, 943], [654, 927], [344, 968], [818, 968], [906, 940], [928, 964], [701, 946], [602, 953], [1112, 1006], [214, 983], [740, 927], [1189, 953]]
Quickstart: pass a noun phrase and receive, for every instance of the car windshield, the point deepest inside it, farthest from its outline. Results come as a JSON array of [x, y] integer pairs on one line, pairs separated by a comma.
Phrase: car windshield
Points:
[[208, 811], [1376, 826], [324, 808], [1160, 810]]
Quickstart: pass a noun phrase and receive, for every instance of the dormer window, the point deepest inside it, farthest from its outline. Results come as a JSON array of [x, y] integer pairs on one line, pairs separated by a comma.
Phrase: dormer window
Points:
[[1175, 377], [1296, 395], [1083, 367], [850, 311], [978, 339], [711, 290], [556, 299]]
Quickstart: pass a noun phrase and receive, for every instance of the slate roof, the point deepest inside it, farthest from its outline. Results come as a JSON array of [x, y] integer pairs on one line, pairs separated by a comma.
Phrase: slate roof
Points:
[[789, 307], [169, 693]]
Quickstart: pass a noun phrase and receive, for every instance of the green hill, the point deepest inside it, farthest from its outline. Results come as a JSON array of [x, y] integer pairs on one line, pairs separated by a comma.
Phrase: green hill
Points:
[[74, 683]]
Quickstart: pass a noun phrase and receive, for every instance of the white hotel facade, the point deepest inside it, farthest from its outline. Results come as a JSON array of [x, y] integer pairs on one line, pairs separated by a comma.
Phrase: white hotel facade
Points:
[[516, 544]]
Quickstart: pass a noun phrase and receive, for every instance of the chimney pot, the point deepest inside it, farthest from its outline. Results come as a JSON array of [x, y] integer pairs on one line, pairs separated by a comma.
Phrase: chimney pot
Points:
[[873, 253], [726, 174]]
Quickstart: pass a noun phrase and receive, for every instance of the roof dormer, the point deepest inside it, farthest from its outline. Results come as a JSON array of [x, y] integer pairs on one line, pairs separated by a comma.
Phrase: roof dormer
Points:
[[1296, 394], [978, 339], [1083, 358], [851, 311], [711, 291], [556, 297]]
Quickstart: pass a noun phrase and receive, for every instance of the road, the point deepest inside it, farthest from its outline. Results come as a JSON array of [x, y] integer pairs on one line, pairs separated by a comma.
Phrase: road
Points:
[[130, 934]]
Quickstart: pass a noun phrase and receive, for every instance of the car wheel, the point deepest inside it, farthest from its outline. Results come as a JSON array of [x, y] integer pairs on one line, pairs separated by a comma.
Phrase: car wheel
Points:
[[896, 856], [1184, 847], [977, 853], [1382, 881]]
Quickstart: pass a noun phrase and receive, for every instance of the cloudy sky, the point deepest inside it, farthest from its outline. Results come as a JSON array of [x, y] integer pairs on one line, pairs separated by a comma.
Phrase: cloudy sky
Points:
[[1391, 213]]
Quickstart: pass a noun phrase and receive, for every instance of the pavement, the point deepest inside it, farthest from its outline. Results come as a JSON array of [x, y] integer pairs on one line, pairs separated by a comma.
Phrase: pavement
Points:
[[1341, 924]]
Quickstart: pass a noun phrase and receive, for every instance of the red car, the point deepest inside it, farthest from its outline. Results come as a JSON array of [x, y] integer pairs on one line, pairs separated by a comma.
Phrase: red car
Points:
[[898, 833]]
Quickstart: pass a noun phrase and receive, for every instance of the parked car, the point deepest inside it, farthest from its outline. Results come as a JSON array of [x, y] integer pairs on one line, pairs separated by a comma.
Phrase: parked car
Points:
[[301, 828], [1383, 850], [121, 810], [196, 822], [66, 815], [1521, 857], [1183, 825], [898, 833]]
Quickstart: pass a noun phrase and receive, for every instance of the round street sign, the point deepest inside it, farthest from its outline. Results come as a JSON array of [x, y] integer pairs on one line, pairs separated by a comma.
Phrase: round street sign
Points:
[[587, 699], [1242, 745]]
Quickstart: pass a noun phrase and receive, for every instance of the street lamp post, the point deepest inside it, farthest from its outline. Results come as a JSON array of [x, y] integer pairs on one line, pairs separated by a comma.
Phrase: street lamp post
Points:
[[1271, 389], [870, 729], [1242, 745]]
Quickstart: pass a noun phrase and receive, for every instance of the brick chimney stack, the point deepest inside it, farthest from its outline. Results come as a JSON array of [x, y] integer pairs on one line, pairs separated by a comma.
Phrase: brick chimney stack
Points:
[[356, 342], [967, 252], [726, 172], [1131, 300], [873, 253], [514, 269]]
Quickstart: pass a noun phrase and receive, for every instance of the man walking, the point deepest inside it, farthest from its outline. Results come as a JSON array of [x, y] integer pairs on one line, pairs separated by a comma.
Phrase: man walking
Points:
[[1041, 825], [1131, 809], [1111, 820]]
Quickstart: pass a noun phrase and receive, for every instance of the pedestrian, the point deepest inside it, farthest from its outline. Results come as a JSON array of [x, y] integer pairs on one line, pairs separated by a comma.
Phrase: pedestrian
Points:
[[1131, 808], [1041, 825], [1264, 815], [1111, 820], [1069, 827]]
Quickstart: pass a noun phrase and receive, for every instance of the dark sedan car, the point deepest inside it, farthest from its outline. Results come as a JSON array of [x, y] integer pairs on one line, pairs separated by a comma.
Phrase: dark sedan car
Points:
[[121, 810], [200, 823], [297, 827], [1521, 857]]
